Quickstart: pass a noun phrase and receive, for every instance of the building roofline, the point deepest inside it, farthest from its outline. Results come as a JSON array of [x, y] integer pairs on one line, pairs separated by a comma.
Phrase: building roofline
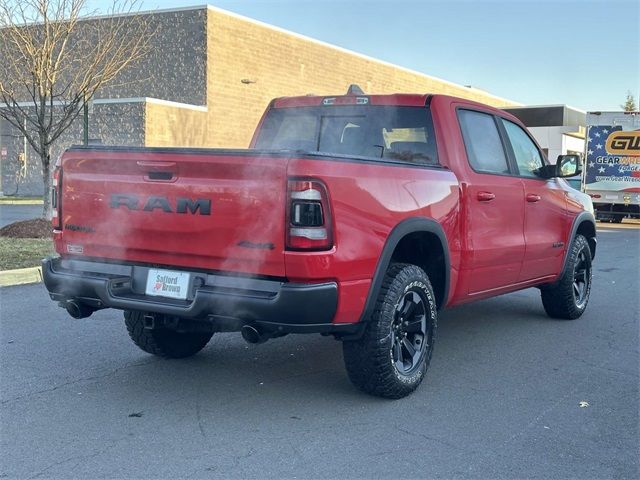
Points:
[[351, 52], [145, 12], [549, 106], [85, 18], [306, 38]]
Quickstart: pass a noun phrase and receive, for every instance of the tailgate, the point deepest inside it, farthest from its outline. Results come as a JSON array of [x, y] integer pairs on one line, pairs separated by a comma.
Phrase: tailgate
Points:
[[209, 209]]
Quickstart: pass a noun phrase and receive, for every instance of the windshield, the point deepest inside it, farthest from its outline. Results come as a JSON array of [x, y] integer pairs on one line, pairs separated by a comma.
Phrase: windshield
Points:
[[386, 132]]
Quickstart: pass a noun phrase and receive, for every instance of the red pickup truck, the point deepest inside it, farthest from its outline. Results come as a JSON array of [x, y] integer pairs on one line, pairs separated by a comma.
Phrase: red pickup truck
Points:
[[357, 216]]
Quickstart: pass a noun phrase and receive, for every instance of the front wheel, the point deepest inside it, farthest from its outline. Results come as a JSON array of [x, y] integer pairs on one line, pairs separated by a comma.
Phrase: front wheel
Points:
[[567, 298], [164, 342], [391, 358]]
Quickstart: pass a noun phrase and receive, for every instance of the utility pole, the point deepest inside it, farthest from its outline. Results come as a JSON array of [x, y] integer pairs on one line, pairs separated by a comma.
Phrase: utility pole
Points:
[[1, 158], [85, 121], [24, 145]]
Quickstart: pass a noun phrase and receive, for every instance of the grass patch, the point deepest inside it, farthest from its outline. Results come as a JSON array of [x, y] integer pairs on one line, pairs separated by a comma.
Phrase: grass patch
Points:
[[23, 252]]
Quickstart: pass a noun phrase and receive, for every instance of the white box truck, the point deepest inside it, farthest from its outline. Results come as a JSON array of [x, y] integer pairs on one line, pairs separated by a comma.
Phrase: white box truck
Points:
[[612, 164]]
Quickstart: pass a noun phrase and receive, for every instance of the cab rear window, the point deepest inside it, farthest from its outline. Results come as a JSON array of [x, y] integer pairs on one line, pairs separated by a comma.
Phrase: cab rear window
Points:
[[380, 132]]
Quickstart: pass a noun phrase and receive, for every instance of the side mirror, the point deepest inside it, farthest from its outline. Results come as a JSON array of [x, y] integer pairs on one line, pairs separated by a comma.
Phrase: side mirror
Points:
[[568, 166]]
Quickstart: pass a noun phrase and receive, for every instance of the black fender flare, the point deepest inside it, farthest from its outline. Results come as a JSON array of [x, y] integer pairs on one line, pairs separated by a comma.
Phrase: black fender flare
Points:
[[581, 218], [407, 226]]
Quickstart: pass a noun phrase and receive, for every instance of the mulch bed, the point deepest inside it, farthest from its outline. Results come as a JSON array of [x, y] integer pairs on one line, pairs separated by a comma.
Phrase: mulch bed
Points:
[[36, 228]]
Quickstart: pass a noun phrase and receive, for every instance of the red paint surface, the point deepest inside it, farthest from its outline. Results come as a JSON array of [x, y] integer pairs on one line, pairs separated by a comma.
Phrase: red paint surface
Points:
[[495, 246]]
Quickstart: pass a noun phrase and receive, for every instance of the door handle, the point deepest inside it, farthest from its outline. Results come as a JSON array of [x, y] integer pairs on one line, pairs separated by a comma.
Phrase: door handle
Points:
[[150, 165], [533, 198], [158, 171], [486, 196]]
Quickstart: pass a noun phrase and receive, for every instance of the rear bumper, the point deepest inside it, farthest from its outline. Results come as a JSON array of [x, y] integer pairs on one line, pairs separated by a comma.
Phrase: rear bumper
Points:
[[224, 301]]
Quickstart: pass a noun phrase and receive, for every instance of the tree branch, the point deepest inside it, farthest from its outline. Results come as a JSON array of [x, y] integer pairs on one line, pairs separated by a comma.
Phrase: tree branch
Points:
[[54, 58]]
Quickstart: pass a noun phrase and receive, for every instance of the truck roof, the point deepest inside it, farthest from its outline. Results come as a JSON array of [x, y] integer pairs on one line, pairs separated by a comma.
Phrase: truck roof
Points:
[[397, 99], [400, 99]]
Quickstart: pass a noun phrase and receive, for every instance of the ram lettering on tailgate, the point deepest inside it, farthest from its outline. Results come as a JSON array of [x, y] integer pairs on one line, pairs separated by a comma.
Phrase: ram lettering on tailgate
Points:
[[183, 205]]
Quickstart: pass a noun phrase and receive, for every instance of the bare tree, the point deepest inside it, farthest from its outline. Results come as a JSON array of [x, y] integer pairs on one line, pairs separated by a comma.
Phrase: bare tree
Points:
[[55, 55]]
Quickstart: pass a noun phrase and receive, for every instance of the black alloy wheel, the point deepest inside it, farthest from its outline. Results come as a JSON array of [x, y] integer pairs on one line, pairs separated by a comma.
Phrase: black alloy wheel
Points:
[[581, 278], [410, 337], [392, 356], [568, 297]]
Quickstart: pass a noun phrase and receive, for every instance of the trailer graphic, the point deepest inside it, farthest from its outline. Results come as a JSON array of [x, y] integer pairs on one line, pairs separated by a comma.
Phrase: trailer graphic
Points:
[[612, 166]]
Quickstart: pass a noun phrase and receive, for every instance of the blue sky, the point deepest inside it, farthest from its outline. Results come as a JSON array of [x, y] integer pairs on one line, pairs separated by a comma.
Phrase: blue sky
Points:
[[582, 53]]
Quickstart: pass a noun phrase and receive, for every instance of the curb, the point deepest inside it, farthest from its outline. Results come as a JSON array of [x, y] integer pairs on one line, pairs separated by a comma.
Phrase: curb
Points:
[[4, 201], [20, 276]]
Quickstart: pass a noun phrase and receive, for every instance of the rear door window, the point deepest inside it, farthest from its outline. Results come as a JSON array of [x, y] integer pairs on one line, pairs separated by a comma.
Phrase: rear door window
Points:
[[402, 134], [290, 132], [482, 142]]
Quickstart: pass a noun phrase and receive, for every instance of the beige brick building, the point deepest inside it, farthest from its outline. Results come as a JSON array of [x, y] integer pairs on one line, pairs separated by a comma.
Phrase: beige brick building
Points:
[[209, 77]]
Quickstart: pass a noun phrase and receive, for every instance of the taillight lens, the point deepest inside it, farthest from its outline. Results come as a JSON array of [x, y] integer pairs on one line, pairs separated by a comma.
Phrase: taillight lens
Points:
[[309, 224], [56, 199]]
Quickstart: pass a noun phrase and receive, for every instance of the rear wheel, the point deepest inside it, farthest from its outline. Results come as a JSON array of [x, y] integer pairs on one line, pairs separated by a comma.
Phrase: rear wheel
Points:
[[392, 356], [567, 298], [164, 342]]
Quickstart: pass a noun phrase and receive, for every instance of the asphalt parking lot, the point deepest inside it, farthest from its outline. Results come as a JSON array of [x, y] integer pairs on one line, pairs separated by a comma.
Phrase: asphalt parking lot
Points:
[[501, 399]]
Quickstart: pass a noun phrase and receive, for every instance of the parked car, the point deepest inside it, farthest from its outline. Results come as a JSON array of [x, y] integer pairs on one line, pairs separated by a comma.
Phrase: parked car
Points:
[[358, 216]]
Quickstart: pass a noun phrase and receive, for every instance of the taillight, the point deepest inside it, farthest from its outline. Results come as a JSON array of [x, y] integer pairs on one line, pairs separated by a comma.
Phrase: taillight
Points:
[[309, 224], [56, 199]]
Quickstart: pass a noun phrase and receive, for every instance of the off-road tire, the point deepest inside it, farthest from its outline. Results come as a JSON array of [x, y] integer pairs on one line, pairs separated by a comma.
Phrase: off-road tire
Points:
[[164, 342], [560, 300], [370, 360]]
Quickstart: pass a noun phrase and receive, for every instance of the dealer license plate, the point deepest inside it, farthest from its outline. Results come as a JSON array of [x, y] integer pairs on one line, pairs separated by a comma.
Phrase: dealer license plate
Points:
[[167, 283]]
